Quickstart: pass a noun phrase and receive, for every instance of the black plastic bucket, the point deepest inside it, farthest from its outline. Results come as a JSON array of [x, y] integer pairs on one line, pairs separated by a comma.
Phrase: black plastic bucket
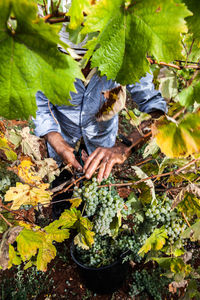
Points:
[[105, 279]]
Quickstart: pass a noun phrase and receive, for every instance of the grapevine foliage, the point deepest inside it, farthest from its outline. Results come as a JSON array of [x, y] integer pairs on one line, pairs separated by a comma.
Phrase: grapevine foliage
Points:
[[30, 61], [128, 33]]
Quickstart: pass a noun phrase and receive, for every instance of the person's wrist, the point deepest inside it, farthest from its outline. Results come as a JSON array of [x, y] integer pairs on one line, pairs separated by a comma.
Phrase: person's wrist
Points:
[[66, 151], [124, 150]]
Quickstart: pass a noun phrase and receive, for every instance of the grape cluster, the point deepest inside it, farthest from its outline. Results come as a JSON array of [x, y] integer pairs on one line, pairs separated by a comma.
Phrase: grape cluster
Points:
[[146, 284], [111, 204], [106, 250], [89, 194], [104, 203], [160, 214]]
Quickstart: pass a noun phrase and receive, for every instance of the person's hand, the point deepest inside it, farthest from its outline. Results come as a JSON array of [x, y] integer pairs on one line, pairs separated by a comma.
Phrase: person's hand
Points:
[[64, 150], [68, 157], [104, 159]]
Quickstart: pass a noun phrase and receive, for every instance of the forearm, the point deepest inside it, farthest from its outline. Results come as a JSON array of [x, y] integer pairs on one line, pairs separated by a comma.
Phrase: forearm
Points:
[[64, 150], [56, 140]]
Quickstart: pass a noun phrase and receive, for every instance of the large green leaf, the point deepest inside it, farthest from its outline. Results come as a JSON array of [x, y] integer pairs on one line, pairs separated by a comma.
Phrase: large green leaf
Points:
[[190, 94], [30, 61], [194, 21], [128, 31]]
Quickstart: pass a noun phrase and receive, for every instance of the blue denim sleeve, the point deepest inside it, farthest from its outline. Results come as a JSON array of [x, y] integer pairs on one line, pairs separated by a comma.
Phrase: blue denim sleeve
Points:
[[44, 122], [147, 98]]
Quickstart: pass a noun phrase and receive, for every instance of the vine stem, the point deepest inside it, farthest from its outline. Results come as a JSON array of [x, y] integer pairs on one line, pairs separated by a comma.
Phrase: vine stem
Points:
[[67, 188], [186, 220], [7, 222], [10, 210], [151, 177], [152, 61]]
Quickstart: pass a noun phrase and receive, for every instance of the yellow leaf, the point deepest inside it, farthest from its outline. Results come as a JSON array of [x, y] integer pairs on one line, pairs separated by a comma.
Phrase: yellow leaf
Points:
[[28, 242], [14, 259], [69, 217], [178, 139], [7, 149], [26, 171], [155, 242], [23, 194], [75, 202], [45, 255]]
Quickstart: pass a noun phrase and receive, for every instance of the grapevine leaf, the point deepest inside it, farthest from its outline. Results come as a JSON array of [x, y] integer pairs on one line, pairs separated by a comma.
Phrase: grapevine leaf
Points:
[[14, 259], [78, 240], [14, 137], [192, 232], [191, 188], [55, 233], [151, 149], [28, 265], [76, 12], [189, 205], [136, 120], [38, 243], [116, 224], [69, 217], [115, 102], [178, 140], [47, 167], [128, 32], [25, 170], [175, 249], [175, 265], [45, 254], [190, 94], [24, 194], [149, 183], [84, 226], [168, 83], [28, 242], [7, 149], [136, 207], [155, 242], [75, 202], [29, 57], [193, 21], [30, 143]]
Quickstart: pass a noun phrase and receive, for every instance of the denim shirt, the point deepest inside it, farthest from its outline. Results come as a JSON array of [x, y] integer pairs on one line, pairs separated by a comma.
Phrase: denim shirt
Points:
[[74, 122]]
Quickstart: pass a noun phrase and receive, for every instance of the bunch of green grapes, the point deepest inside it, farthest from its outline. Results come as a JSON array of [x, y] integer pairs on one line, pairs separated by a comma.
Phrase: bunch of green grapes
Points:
[[103, 203], [107, 250], [160, 213], [149, 284], [89, 194]]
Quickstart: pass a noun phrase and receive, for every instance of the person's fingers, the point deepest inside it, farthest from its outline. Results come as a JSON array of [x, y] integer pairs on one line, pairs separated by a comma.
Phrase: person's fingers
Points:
[[90, 158], [74, 163], [94, 164], [101, 170], [108, 168]]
